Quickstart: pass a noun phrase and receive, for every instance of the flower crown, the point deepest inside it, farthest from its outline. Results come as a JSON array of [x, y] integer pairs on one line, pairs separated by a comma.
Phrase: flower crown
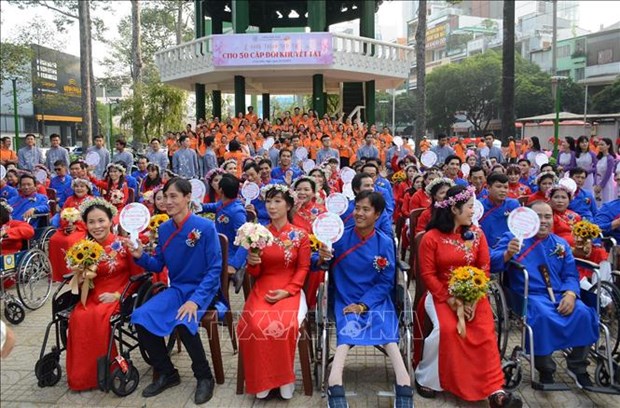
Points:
[[557, 187], [81, 181], [279, 187], [97, 201], [212, 173], [6, 206], [547, 173], [117, 166], [227, 162], [324, 170], [464, 195], [438, 180]]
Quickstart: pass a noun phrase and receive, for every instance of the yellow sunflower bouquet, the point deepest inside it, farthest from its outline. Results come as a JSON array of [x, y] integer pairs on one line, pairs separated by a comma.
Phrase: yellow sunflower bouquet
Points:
[[467, 284], [154, 225], [315, 244], [586, 230], [399, 177], [83, 257]]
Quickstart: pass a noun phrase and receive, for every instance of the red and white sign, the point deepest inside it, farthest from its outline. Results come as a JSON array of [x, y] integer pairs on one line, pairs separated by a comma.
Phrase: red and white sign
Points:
[[328, 228], [272, 49]]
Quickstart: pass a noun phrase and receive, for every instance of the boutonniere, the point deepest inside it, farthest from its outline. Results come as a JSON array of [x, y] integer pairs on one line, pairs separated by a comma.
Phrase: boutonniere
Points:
[[588, 201], [222, 219], [380, 263], [559, 251], [193, 237]]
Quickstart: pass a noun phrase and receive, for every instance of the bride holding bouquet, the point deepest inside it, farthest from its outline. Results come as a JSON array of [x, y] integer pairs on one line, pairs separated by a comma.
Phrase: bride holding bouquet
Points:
[[460, 355]]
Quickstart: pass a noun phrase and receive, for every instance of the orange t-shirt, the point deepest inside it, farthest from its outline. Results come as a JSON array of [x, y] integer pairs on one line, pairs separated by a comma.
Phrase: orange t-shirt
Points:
[[7, 155]]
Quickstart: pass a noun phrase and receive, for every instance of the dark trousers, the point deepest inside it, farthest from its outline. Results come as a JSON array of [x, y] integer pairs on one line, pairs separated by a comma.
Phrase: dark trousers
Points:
[[576, 361], [156, 349]]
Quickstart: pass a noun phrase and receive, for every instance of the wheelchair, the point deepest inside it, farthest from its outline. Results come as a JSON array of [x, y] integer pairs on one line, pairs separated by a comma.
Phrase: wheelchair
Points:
[[603, 352], [116, 374], [325, 324], [31, 270]]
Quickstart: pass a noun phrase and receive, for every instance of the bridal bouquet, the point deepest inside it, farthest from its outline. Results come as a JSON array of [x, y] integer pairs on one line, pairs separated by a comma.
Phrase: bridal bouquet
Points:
[[468, 285], [83, 258], [253, 237]]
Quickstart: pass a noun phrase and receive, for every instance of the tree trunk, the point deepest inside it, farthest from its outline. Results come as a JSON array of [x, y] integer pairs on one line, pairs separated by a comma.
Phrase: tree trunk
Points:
[[136, 73], [508, 72], [84, 21], [179, 26], [420, 57], [93, 84]]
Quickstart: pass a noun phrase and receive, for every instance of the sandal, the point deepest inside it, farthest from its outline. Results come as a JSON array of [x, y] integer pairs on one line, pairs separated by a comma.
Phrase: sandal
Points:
[[425, 392]]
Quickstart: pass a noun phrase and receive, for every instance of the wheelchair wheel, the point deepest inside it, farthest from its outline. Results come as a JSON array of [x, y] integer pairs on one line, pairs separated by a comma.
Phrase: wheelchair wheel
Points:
[[123, 384], [500, 315], [14, 312], [48, 370], [44, 239], [34, 279], [601, 374], [512, 375], [405, 332], [610, 313]]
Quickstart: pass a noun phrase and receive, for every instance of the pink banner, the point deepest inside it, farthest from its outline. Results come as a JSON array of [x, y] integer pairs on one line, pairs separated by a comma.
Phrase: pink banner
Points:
[[231, 50]]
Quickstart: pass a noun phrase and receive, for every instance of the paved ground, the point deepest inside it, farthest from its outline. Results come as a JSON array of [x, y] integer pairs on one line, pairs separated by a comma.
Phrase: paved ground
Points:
[[367, 374]]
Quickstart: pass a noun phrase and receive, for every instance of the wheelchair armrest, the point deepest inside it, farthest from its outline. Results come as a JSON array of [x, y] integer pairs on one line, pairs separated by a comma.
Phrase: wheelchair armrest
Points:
[[584, 263], [137, 278], [67, 276], [516, 264]]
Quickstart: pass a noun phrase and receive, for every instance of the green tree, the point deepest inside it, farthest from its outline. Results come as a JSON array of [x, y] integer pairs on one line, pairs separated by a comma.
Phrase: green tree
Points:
[[442, 86], [15, 60], [608, 99], [405, 106]]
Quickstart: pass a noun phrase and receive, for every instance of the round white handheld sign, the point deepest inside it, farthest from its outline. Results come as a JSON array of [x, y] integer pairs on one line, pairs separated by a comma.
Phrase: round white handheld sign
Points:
[[250, 191], [484, 152], [347, 174], [428, 159], [40, 175], [328, 228], [398, 141], [541, 159], [301, 153], [524, 223], [337, 203], [92, 159], [347, 190], [478, 211], [134, 219], [198, 189], [308, 165], [465, 169], [2, 172], [269, 142]]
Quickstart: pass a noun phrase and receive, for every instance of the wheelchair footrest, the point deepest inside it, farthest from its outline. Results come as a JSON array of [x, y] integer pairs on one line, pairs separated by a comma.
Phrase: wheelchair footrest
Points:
[[603, 390], [550, 387]]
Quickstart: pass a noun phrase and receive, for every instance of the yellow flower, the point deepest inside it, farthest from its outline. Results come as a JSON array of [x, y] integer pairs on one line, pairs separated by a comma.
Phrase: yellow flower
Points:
[[315, 244]]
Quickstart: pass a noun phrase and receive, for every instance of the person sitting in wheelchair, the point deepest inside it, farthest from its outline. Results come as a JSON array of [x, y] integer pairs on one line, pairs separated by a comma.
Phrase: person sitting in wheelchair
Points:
[[363, 272], [13, 232], [29, 203], [89, 325], [559, 319], [467, 366]]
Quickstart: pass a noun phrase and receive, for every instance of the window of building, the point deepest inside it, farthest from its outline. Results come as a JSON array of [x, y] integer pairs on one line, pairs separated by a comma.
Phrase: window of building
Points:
[[580, 73], [564, 73], [605, 56], [563, 51]]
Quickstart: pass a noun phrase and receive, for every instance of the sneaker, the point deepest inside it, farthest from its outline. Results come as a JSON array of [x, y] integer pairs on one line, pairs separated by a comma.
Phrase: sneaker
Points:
[[404, 396], [503, 399], [287, 390], [582, 379], [546, 377], [336, 397], [262, 394]]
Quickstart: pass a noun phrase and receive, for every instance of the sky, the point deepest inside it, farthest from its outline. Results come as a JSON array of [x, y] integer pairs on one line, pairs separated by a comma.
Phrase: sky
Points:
[[592, 15]]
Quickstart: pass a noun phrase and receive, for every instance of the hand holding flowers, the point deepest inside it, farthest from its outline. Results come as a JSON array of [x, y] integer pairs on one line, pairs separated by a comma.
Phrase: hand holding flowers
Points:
[[82, 258], [467, 285]]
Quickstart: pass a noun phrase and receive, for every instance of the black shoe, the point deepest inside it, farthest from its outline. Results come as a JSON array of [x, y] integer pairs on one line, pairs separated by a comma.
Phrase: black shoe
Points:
[[503, 399], [425, 392], [204, 390], [403, 397], [582, 380], [238, 278], [546, 377], [164, 382]]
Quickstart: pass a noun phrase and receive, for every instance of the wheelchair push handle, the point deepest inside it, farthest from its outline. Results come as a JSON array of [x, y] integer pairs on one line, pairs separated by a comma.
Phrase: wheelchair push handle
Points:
[[516, 264], [143, 276]]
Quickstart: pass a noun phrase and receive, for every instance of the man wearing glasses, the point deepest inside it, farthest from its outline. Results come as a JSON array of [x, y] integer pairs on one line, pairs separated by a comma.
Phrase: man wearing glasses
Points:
[[61, 182], [56, 152]]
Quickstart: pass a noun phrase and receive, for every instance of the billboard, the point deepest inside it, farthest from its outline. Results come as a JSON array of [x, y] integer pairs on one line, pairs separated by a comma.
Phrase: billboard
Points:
[[272, 49], [56, 85], [436, 37]]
